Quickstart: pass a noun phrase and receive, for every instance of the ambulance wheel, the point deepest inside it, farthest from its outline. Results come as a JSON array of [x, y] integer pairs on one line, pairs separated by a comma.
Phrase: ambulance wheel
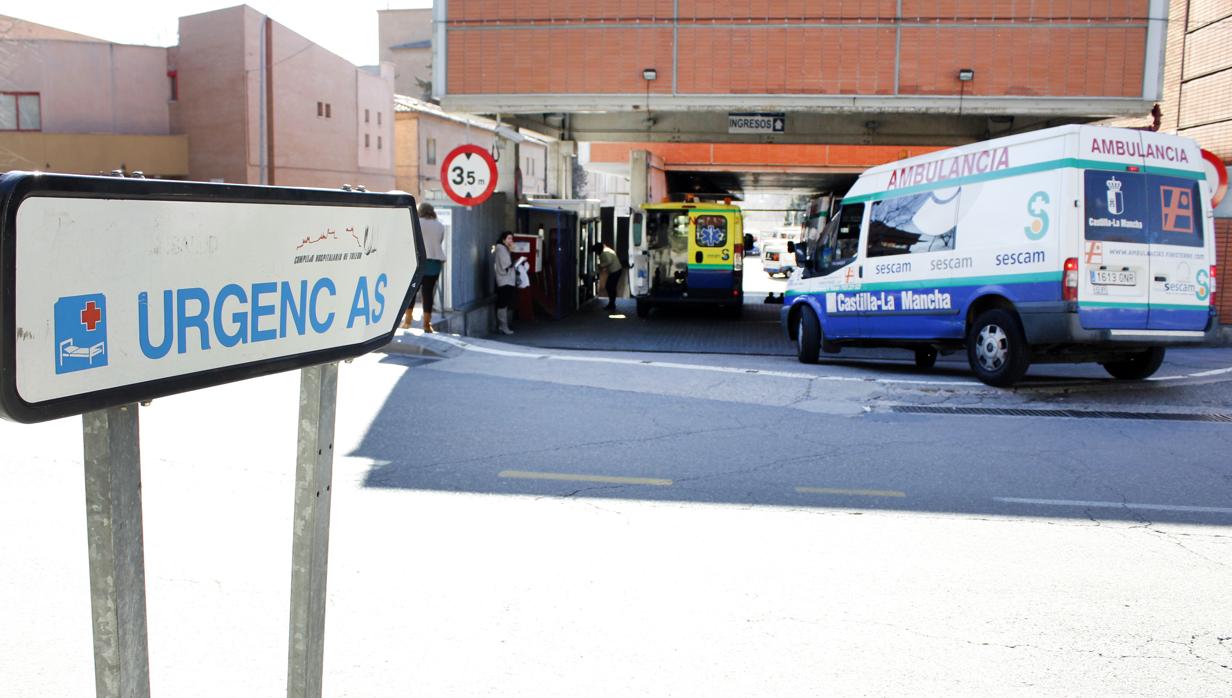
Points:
[[1138, 366], [925, 357], [808, 336], [643, 308], [996, 348]]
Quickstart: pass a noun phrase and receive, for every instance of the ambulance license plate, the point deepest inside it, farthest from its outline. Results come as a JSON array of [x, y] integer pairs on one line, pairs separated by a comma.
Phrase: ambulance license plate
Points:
[[1104, 277]]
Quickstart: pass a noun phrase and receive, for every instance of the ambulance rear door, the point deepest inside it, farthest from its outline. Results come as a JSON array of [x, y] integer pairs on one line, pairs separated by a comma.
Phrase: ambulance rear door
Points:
[[1114, 266], [1180, 232]]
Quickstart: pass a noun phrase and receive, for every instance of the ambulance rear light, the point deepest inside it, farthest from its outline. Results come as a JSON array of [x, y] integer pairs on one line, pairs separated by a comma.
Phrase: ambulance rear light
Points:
[[1069, 284], [1214, 287], [738, 251]]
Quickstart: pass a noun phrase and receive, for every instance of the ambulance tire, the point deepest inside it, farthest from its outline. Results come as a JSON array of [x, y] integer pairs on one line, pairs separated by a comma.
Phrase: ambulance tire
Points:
[[643, 308], [808, 337], [1138, 366], [996, 348], [926, 357]]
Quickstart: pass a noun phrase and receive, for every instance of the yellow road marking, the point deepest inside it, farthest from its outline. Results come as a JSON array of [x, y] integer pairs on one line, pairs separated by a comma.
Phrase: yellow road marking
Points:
[[569, 477], [858, 493]]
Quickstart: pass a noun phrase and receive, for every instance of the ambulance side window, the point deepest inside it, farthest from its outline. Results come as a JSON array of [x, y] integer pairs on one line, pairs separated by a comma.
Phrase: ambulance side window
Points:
[[840, 241], [912, 224]]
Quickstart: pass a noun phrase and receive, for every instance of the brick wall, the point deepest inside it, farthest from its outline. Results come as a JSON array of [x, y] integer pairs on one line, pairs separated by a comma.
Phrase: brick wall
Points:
[[1041, 48], [1223, 255]]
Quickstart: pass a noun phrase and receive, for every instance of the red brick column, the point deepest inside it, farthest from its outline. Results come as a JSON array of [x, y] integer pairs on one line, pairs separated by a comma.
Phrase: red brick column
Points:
[[1223, 257]]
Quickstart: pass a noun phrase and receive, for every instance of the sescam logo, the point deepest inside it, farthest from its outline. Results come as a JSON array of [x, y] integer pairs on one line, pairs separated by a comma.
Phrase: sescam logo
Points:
[[1035, 207], [1204, 285]]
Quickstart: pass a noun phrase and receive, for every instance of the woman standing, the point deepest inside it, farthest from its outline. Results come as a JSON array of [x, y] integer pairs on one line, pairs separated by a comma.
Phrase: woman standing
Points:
[[502, 264], [434, 260]]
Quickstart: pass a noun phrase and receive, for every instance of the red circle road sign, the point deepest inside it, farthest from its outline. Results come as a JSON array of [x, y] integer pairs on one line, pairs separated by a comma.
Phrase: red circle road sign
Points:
[[1219, 171], [468, 174]]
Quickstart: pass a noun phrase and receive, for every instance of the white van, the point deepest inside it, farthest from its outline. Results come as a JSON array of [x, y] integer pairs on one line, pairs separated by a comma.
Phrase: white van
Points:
[[776, 258], [1076, 243]]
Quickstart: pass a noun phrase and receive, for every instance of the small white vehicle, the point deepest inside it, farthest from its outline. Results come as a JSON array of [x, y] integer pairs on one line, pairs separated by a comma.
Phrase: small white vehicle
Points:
[[1075, 243], [777, 259]]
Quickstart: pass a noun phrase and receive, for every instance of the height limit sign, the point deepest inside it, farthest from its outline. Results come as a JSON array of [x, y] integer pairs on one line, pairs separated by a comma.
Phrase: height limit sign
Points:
[[469, 175]]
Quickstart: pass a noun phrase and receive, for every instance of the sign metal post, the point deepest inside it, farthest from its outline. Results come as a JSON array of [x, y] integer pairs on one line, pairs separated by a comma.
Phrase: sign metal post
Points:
[[318, 394], [117, 552], [202, 285]]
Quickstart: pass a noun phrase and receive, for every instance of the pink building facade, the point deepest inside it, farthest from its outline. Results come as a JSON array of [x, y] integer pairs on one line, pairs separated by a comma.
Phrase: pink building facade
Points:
[[241, 99], [262, 104]]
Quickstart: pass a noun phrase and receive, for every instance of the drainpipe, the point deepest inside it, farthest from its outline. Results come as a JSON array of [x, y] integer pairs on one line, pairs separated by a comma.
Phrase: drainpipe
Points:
[[269, 98], [263, 176]]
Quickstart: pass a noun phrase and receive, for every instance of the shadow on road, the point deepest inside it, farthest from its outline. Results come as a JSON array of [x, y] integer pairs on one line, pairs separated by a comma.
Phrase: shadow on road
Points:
[[462, 432]]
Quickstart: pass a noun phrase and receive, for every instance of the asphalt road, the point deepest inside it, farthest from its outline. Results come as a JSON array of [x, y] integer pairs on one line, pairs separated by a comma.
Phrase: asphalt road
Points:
[[524, 522]]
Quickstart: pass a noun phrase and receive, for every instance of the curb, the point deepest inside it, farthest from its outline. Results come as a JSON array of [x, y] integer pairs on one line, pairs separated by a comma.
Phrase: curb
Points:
[[419, 344], [1223, 338]]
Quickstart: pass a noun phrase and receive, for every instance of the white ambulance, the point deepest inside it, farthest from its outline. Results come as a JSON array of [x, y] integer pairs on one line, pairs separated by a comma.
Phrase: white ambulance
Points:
[[1076, 243]]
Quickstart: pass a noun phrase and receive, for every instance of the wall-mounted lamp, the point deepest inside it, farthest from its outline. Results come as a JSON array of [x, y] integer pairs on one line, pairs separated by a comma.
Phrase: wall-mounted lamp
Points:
[[650, 74], [965, 75]]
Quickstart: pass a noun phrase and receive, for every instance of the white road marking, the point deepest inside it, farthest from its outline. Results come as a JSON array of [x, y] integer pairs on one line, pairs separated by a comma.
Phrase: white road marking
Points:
[[467, 346], [1216, 372], [1114, 505], [573, 477], [691, 367], [857, 493]]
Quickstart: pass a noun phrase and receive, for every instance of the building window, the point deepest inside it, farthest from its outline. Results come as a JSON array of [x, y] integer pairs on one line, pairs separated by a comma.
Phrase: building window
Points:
[[327, 114], [365, 116], [320, 109], [431, 154], [365, 140], [378, 142], [20, 111], [378, 118], [173, 79]]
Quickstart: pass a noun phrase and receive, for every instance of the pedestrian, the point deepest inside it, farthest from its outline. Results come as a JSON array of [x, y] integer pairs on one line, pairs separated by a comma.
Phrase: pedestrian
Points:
[[609, 262], [506, 277], [434, 260]]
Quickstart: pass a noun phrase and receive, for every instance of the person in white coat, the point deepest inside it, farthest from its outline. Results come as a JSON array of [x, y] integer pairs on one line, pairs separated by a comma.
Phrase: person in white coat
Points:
[[506, 277], [434, 260]]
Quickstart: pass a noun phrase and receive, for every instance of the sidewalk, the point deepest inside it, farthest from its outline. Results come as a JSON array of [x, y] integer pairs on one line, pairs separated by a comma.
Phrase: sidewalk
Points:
[[692, 330]]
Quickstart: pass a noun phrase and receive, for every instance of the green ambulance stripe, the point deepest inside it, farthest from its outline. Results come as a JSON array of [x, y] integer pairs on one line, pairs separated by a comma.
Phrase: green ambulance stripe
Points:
[[1022, 170], [704, 267], [1141, 306]]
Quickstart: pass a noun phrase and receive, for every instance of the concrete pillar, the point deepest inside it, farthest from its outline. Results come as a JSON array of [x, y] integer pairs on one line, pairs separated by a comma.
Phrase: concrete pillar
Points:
[[560, 169]]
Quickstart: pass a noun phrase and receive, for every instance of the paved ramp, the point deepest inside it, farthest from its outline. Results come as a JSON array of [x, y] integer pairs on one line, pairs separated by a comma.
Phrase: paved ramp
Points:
[[695, 330]]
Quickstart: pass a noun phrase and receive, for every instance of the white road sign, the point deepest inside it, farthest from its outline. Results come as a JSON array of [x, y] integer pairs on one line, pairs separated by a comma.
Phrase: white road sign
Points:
[[757, 122], [468, 174], [128, 289]]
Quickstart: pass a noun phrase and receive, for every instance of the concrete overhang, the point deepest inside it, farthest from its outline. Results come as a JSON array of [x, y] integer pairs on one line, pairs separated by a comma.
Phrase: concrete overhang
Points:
[[870, 120]]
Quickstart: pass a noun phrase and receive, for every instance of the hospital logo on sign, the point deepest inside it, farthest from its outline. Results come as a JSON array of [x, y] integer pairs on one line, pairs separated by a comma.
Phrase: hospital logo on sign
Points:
[[81, 332]]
